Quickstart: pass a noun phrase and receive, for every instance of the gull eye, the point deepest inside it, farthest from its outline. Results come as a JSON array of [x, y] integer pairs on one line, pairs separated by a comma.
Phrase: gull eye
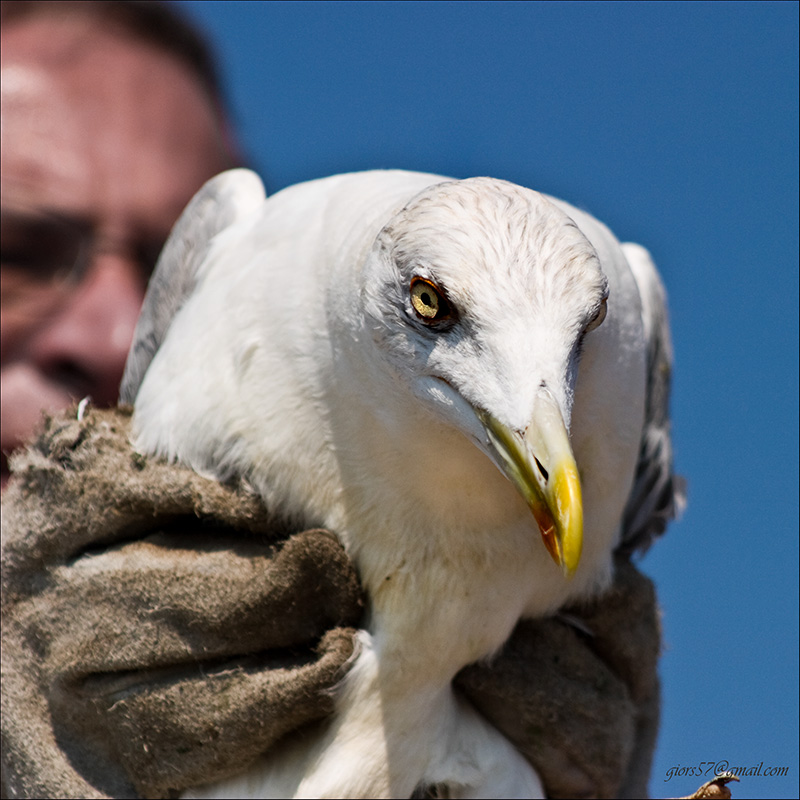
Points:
[[429, 301], [598, 318]]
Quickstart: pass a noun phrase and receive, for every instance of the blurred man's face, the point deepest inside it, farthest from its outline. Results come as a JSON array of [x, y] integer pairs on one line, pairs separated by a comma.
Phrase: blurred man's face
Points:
[[104, 141]]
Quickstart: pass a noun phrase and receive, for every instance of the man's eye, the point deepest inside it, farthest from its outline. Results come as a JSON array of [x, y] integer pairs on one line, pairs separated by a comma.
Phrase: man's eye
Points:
[[147, 254], [42, 248]]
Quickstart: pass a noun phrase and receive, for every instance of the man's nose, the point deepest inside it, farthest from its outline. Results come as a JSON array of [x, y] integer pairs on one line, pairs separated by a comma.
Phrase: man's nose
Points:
[[85, 346]]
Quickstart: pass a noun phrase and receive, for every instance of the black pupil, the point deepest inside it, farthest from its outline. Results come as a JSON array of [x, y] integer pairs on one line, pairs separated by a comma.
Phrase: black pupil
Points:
[[426, 298]]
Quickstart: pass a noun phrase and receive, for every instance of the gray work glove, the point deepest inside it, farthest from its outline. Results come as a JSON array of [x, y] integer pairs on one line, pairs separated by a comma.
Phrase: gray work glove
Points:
[[161, 630]]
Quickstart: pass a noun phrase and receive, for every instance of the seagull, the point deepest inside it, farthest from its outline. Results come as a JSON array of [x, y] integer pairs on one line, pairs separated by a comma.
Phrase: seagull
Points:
[[456, 377]]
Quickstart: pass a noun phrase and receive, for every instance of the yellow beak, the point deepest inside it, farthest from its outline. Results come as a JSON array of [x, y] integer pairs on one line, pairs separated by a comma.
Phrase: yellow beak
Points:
[[539, 462]]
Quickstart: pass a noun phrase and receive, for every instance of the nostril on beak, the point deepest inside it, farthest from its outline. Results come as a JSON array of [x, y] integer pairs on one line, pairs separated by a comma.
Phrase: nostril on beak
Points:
[[545, 473]]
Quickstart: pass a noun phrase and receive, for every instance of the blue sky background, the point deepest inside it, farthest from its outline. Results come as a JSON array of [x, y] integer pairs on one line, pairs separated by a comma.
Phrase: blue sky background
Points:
[[677, 125]]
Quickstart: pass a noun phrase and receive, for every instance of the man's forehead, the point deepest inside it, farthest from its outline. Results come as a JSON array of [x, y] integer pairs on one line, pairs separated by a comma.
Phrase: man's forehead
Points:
[[83, 121], [36, 123], [85, 63]]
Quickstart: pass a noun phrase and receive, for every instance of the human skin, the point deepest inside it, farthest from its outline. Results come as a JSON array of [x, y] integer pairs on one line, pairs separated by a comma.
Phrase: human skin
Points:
[[118, 135]]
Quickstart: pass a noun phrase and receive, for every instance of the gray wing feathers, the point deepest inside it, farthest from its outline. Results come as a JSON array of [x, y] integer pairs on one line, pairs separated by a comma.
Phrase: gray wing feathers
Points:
[[658, 495], [222, 200]]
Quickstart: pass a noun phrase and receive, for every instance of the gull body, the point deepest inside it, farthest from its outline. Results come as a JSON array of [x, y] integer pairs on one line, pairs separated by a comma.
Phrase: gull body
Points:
[[401, 357]]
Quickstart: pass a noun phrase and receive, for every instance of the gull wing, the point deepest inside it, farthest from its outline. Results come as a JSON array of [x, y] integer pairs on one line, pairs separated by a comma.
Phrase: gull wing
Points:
[[657, 495], [222, 201]]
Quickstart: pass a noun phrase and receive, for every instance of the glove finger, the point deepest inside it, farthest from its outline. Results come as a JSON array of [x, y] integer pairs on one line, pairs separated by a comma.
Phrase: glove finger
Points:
[[79, 485], [161, 602], [186, 728]]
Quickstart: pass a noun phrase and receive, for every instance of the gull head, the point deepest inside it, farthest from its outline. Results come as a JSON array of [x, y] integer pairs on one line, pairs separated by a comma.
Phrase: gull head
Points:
[[477, 297]]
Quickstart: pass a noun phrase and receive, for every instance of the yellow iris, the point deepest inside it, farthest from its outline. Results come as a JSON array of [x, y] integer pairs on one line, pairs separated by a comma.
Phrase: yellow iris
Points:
[[428, 301]]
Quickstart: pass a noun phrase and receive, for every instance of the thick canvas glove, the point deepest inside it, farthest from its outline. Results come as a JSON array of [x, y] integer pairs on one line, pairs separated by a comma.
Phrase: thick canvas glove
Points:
[[158, 629], [161, 630], [578, 693]]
